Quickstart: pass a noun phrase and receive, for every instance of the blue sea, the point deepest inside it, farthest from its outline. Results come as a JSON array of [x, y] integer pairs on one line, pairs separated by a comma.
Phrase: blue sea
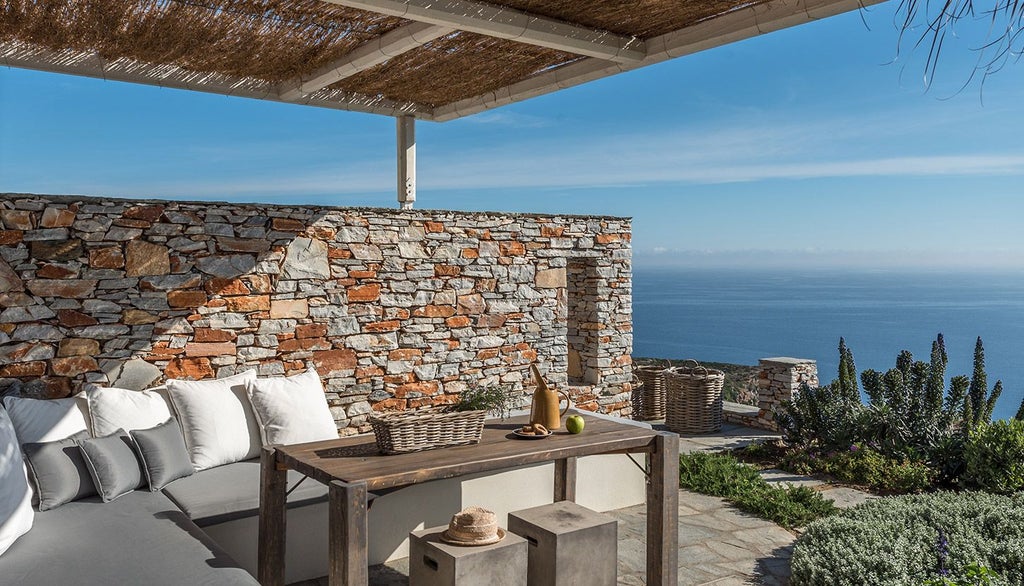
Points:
[[740, 316]]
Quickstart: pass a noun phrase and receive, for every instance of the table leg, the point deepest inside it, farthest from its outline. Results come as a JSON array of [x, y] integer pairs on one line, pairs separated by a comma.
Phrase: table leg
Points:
[[271, 544], [348, 534], [565, 480], [663, 511]]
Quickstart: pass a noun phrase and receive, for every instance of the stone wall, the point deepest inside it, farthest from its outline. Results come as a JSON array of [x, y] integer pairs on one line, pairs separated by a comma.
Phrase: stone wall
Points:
[[395, 309], [779, 380]]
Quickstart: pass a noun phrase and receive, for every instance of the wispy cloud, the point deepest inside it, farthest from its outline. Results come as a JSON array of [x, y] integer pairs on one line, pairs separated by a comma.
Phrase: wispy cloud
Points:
[[505, 118], [696, 154]]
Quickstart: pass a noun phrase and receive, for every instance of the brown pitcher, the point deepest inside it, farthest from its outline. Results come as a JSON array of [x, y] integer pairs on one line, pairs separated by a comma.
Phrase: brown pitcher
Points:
[[544, 409]]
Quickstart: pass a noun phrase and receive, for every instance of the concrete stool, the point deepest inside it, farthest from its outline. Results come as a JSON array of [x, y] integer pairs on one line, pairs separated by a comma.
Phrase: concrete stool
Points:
[[569, 544], [433, 562]]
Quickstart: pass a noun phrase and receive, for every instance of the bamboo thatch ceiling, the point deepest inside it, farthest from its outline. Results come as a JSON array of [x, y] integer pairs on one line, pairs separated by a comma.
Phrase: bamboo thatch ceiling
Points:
[[433, 59]]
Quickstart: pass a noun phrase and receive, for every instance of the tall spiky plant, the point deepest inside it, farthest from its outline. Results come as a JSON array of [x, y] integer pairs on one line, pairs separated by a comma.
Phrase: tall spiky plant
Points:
[[847, 381], [980, 402], [979, 386], [936, 374]]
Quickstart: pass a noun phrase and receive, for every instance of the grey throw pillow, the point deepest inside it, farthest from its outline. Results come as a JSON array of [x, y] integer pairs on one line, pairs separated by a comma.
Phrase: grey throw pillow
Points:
[[113, 464], [163, 453], [59, 471]]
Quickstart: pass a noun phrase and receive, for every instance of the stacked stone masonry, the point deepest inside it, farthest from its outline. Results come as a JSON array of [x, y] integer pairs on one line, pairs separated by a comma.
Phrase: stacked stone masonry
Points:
[[395, 309], [779, 380]]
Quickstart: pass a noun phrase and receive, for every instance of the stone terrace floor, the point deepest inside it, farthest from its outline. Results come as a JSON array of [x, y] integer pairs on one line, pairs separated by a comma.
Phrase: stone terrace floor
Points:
[[718, 544]]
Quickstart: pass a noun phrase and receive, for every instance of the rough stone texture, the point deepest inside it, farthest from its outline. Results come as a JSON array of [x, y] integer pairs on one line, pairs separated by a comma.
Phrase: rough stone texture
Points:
[[306, 259], [78, 347], [130, 374], [779, 380], [57, 218], [395, 309], [144, 258], [9, 280]]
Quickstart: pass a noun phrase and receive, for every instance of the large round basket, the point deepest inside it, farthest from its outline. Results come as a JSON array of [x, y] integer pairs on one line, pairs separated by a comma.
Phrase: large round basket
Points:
[[649, 392], [693, 399], [399, 433]]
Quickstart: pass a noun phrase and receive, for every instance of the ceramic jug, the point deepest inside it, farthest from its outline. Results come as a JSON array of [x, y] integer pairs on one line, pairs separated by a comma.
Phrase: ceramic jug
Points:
[[544, 409]]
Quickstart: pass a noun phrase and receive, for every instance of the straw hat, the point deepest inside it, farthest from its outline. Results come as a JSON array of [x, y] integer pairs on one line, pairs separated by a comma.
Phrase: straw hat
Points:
[[473, 526]]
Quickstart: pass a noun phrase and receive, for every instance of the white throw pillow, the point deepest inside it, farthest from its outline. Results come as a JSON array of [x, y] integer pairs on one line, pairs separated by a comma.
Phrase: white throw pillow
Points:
[[111, 409], [16, 514], [47, 420], [216, 419], [292, 410]]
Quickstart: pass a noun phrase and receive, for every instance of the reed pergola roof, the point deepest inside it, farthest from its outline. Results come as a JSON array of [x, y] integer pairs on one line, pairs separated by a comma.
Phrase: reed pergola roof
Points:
[[429, 59]]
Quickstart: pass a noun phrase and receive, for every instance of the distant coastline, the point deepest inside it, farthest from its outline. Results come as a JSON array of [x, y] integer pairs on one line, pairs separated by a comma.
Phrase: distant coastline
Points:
[[738, 316]]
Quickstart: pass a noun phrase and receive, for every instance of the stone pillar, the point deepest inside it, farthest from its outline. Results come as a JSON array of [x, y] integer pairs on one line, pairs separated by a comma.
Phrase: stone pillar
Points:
[[779, 380]]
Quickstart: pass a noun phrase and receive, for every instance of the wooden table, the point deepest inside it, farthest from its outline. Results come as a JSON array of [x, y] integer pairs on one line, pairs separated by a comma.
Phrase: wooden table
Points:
[[354, 470]]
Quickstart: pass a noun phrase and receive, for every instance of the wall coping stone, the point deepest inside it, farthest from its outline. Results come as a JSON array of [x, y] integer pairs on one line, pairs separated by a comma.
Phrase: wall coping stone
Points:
[[413, 213], [786, 361]]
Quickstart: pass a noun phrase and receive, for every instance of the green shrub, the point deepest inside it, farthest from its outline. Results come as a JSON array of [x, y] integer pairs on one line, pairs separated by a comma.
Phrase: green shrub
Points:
[[909, 415], [895, 541], [724, 476], [863, 466], [972, 575], [994, 456]]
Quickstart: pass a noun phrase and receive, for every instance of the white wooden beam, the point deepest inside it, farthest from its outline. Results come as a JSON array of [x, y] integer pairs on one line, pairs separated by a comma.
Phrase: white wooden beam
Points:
[[509, 23], [169, 76], [406, 142], [743, 23], [370, 54]]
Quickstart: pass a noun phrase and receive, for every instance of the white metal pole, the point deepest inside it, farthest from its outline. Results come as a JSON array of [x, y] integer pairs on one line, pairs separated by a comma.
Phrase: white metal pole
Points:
[[406, 161]]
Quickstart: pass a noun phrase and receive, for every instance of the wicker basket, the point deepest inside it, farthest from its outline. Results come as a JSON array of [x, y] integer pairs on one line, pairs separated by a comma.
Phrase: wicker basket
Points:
[[400, 433], [693, 399], [649, 393]]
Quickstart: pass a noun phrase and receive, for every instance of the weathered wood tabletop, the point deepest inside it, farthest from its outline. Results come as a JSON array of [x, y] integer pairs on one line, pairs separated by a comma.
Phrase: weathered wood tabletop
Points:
[[357, 459], [353, 467]]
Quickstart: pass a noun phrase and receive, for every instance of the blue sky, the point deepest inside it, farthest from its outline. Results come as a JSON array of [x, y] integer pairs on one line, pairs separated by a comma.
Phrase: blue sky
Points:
[[815, 145]]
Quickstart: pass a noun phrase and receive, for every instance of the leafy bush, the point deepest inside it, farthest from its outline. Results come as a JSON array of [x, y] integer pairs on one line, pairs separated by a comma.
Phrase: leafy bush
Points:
[[897, 541], [972, 575], [863, 466], [994, 457], [909, 416], [724, 476]]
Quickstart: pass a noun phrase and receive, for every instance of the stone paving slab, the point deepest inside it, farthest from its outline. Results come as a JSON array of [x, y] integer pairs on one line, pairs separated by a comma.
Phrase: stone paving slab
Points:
[[846, 497], [730, 437], [782, 477]]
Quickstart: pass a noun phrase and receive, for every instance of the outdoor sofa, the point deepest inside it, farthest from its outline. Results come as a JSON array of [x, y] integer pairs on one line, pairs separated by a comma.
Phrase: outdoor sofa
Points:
[[201, 527], [196, 529]]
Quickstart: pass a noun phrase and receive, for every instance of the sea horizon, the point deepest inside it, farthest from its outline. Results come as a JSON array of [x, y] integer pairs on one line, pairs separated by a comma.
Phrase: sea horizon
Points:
[[740, 315]]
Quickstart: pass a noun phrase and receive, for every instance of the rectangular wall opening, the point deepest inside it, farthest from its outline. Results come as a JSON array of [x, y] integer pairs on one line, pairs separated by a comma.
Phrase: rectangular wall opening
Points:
[[582, 321]]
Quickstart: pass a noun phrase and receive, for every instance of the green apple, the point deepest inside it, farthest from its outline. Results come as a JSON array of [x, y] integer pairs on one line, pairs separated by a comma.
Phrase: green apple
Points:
[[574, 424]]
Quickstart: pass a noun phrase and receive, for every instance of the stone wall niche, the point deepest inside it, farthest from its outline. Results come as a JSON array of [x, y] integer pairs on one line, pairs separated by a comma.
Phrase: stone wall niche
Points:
[[582, 322]]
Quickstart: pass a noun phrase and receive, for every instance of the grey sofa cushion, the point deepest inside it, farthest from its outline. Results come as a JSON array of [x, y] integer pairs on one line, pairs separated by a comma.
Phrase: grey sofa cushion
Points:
[[163, 453], [221, 494], [59, 471], [113, 464], [141, 538]]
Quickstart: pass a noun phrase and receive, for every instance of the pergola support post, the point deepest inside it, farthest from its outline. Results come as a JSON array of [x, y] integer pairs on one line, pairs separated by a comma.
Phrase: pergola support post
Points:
[[406, 139]]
